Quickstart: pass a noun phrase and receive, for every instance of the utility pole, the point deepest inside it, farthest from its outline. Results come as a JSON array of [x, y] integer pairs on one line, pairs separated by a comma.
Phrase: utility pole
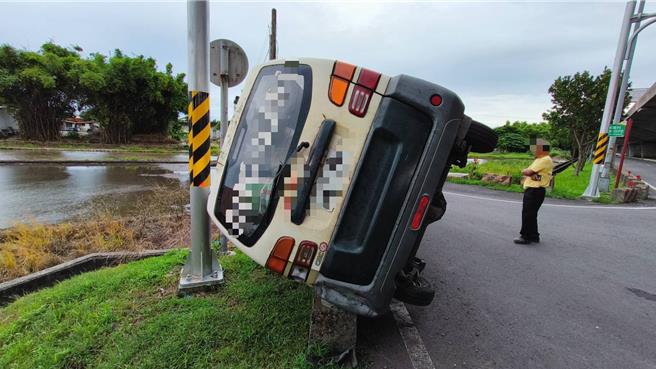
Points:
[[604, 182], [272, 36], [615, 98], [202, 268]]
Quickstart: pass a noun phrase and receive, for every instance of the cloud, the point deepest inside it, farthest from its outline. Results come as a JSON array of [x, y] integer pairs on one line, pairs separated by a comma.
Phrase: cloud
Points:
[[500, 57]]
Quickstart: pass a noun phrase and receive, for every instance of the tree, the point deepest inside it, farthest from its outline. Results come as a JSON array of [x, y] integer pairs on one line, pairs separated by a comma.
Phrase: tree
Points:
[[129, 95], [39, 88], [578, 104], [514, 137], [512, 142]]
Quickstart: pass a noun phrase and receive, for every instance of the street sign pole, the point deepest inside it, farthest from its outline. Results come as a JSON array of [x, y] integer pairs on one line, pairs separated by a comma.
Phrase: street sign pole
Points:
[[202, 268], [625, 145], [228, 68], [592, 191]]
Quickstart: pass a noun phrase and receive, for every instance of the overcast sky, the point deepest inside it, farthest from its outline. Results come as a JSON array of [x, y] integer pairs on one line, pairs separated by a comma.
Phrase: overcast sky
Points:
[[500, 57]]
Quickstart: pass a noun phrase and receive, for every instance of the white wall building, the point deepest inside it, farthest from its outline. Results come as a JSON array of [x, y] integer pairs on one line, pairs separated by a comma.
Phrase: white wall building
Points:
[[6, 120]]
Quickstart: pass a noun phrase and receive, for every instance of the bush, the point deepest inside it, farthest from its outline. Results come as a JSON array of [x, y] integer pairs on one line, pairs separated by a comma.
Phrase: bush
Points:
[[512, 142]]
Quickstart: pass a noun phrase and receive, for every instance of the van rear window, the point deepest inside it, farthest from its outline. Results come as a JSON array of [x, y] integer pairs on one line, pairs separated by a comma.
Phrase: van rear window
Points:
[[268, 133]]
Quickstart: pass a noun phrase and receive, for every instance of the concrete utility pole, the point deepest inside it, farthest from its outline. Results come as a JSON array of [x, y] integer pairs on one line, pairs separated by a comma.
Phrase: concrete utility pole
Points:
[[625, 47], [619, 106], [272, 36], [202, 268]]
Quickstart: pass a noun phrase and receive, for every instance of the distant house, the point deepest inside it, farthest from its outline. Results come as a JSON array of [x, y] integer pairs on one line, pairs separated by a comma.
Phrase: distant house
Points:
[[6, 120], [79, 126]]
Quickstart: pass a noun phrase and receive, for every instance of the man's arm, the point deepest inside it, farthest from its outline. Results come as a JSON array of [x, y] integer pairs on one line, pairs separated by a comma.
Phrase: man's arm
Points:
[[528, 172]]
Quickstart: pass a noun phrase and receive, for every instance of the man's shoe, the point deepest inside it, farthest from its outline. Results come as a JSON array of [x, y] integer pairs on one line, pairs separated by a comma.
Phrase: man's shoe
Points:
[[522, 241]]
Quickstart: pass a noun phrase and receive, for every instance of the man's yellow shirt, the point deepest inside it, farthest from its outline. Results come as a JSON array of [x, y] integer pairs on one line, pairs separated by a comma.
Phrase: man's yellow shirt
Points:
[[544, 168]]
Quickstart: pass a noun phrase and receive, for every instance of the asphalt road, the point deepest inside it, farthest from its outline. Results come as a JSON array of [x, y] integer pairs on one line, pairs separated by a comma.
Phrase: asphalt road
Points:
[[583, 298]]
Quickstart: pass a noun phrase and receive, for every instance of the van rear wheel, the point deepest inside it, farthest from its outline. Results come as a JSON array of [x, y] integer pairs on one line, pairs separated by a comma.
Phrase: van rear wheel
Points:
[[481, 138], [414, 289]]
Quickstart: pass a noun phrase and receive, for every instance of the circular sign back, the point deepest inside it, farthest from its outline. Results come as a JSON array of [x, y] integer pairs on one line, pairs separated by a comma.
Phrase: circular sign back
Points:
[[229, 60]]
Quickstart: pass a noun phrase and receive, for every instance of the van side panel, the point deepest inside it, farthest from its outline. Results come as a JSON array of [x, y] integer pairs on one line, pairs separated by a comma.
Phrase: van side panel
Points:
[[392, 153]]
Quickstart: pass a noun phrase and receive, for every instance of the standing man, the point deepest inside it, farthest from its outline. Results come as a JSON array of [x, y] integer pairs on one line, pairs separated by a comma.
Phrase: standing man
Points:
[[536, 179]]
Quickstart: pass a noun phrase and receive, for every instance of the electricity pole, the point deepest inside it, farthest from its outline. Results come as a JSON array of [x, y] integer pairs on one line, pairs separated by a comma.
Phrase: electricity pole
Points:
[[615, 98], [619, 106], [272, 36]]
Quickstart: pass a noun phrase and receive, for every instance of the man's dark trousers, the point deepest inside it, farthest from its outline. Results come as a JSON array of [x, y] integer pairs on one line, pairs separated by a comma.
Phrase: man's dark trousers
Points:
[[533, 198]]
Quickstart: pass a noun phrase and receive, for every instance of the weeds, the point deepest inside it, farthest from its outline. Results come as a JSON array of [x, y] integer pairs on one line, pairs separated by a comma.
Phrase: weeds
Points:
[[157, 220]]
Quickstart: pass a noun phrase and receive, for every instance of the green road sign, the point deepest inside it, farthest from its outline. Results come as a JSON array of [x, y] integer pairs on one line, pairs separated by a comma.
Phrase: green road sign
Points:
[[616, 130]]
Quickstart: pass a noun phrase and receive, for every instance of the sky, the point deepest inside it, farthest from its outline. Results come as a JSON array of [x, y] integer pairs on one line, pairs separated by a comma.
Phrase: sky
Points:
[[499, 57]]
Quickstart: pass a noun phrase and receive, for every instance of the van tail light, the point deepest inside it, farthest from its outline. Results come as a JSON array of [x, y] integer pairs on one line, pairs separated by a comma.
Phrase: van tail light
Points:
[[420, 212], [368, 78], [339, 82], [337, 91], [363, 91], [303, 260], [305, 254], [280, 254]]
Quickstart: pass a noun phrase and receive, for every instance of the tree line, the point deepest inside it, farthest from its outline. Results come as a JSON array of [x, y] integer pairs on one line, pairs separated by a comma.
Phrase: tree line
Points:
[[571, 124], [126, 95]]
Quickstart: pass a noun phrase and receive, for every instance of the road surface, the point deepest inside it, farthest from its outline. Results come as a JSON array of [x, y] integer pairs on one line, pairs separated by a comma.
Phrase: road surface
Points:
[[583, 298]]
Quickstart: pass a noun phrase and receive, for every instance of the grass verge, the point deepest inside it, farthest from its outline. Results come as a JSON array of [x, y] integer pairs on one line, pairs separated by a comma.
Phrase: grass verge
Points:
[[130, 317], [566, 186], [79, 145]]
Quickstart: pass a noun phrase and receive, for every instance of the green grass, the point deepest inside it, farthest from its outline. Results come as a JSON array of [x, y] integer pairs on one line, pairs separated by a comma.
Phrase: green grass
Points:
[[502, 155], [86, 146], [567, 185], [517, 155], [130, 317]]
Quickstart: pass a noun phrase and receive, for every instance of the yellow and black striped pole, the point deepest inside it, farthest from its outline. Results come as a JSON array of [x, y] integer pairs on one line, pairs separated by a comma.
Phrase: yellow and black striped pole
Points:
[[201, 268], [600, 149], [199, 139]]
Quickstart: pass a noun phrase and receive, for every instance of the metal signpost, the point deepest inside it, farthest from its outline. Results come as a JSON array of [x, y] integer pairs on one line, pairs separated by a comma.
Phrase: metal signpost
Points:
[[615, 99], [202, 268], [228, 67]]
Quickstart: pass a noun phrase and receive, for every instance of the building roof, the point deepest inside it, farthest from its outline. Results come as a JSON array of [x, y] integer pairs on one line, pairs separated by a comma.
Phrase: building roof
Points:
[[78, 120], [643, 113]]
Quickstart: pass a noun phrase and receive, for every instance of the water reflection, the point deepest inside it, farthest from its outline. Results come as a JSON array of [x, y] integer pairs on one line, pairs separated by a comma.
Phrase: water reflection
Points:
[[50, 193]]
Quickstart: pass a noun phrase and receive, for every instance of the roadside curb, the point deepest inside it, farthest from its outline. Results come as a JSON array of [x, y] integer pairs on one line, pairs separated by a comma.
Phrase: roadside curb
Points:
[[473, 190], [11, 290]]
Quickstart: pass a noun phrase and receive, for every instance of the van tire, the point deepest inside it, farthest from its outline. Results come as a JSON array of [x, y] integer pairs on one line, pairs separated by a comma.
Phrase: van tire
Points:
[[481, 138], [415, 291]]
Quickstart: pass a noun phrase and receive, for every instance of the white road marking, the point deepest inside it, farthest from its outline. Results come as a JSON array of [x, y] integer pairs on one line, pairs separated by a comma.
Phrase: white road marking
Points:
[[609, 207], [648, 184], [412, 340]]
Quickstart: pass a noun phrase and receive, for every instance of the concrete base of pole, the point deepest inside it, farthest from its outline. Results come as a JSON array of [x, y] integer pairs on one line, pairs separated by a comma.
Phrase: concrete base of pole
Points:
[[336, 330], [191, 283], [592, 191], [604, 184]]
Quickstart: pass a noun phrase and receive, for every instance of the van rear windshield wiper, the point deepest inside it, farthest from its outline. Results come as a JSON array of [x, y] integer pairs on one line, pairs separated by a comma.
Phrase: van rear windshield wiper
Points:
[[280, 174], [317, 153]]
